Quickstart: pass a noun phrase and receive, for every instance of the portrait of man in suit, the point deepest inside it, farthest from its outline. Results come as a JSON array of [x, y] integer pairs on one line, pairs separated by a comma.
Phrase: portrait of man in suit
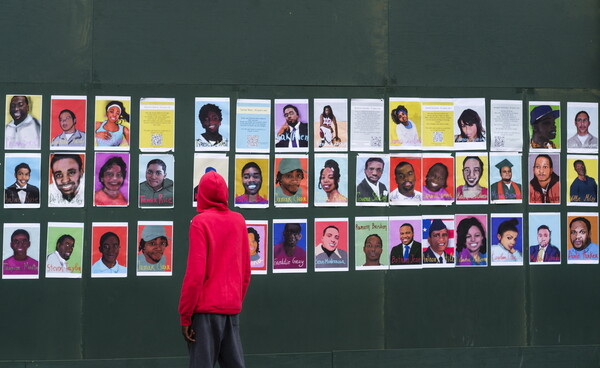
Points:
[[21, 191], [370, 189], [544, 251], [293, 133], [409, 250], [438, 240]]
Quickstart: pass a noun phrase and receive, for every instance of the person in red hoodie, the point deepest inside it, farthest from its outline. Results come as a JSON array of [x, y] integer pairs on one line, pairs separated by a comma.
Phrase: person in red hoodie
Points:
[[216, 279]]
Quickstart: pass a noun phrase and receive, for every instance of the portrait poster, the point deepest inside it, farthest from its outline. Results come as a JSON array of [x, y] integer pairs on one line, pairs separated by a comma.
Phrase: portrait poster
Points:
[[68, 118], [545, 238], [289, 246], [472, 178], [506, 125], [438, 179], [582, 180], [506, 239], [253, 126], [405, 180], [64, 250], [470, 121], [582, 237], [544, 126], [372, 180], [109, 249], [331, 180], [506, 181], [156, 173], [112, 115], [211, 121], [24, 111], [155, 248], [330, 121], [331, 244], [252, 181], [471, 240], [406, 242], [544, 178], [366, 119], [291, 120], [111, 182], [258, 238], [582, 127], [438, 241], [371, 243], [404, 121], [205, 162], [22, 180], [66, 179], [437, 121], [290, 182], [21, 251], [157, 124]]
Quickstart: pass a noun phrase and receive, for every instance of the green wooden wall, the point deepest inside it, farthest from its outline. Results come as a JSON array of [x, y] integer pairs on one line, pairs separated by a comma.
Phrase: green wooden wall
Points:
[[527, 50]]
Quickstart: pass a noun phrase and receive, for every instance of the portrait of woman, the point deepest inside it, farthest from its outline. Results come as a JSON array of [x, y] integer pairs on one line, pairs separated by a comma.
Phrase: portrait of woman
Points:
[[436, 182], [471, 243], [211, 116], [253, 241], [328, 128], [111, 132], [471, 128], [505, 251], [329, 180], [112, 176]]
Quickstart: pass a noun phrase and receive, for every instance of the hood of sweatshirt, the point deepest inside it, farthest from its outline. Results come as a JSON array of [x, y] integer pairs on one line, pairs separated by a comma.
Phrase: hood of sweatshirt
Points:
[[212, 192]]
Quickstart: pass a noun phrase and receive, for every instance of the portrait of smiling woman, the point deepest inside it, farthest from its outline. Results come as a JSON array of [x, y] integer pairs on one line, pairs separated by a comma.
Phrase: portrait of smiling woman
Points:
[[112, 178], [329, 182], [113, 132], [471, 243]]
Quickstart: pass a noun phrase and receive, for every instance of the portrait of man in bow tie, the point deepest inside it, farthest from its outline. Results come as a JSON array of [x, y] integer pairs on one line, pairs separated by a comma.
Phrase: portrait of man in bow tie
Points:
[[21, 192]]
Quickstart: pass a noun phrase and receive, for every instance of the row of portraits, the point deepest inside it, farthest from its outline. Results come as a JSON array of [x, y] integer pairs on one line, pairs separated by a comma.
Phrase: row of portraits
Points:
[[379, 243], [424, 242], [67, 173], [413, 124], [62, 254], [413, 179], [379, 180]]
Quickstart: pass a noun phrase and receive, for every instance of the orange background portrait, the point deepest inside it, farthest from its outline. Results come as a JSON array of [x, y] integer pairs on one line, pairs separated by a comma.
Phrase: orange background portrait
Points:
[[416, 164], [98, 231], [303, 183], [428, 162], [76, 104]]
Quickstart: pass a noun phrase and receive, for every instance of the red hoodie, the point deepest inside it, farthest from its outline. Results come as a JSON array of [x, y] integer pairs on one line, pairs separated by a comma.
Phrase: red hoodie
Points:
[[218, 267]]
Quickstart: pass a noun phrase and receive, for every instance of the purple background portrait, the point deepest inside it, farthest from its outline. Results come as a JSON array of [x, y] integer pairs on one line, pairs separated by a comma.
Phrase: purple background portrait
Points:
[[280, 119], [493, 235], [101, 158], [394, 230]]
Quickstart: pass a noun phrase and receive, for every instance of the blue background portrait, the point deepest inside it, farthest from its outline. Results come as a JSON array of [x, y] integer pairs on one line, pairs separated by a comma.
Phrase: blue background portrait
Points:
[[496, 221]]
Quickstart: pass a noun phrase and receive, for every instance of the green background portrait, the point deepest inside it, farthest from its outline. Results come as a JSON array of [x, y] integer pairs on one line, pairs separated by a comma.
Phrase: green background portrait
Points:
[[361, 234], [557, 122], [55, 232]]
